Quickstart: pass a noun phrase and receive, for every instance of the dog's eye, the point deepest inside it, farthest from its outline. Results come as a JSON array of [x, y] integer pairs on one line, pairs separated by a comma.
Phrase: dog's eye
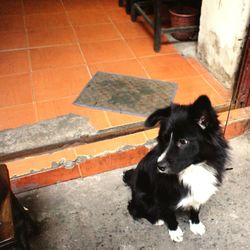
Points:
[[182, 142]]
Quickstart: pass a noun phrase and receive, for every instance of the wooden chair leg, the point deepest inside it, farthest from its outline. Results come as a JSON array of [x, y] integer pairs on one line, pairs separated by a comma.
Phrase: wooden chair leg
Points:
[[23, 240], [133, 12], [19, 224], [128, 6], [23, 212], [120, 3], [157, 25]]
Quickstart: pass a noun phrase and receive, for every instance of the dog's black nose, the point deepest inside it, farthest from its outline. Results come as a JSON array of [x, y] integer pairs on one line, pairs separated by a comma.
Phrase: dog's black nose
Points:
[[162, 169], [162, 166]]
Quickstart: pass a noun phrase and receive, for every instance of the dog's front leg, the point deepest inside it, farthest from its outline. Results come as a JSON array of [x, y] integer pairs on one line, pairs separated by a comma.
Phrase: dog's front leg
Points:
[[196, 226], [174, 230]]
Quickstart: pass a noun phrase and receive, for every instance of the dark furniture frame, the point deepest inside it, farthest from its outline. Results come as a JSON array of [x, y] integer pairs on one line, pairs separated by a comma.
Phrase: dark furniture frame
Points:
[[138, 8], [15, 222]]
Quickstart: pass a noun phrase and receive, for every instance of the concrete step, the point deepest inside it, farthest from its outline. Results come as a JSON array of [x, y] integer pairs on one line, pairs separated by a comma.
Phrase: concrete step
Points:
[[100, 151]]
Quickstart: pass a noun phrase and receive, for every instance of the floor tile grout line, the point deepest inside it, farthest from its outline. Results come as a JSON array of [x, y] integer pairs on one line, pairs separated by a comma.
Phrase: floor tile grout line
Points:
[[211, 85], [100, 40], [121, 36], [44, 12], [65, 97], [201, 75], [134, 58], [143, 67], [181, 77], [37, 47], [77, 40], [60, 67], [72, 44], [85, 64], [126, 59], [162, 55], [16, 105], [91, 24], [221, 89], [82, 54], [176, 78], [124, 39], [108, 119], [39, 102], [159, 55], [110, 61], [147, 35], [30, 66], [15, 74], [138, 58], [42, 69], [67, 13], [57, 99], [53, 45], [115, 27], [194, 67], [145, 136]]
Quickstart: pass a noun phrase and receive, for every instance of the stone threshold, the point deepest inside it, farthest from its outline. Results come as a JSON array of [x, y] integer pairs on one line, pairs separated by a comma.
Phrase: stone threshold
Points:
[[63, 131], [123, 156]]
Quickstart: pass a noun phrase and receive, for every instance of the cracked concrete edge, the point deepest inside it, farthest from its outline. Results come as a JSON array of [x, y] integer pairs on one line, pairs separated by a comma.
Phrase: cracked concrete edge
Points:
[[70, 164], [86, 135], [82, 166], [82, 133], [58, 133], [44, 134], [148, 144]]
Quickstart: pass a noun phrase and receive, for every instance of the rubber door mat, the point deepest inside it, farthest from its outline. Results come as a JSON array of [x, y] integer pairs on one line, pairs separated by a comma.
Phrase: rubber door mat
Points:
[[126, 94]]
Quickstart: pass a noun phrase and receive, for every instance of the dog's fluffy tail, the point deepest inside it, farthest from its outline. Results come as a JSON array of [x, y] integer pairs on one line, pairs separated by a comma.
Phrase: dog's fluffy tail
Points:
[[128, 177]]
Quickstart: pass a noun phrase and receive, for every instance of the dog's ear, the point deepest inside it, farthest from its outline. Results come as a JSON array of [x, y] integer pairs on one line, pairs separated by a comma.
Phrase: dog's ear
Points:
[[157, 116], [203, 113]]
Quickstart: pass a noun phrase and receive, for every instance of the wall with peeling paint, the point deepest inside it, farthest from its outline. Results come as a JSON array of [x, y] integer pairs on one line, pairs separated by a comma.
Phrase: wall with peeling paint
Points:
[[223, 29]]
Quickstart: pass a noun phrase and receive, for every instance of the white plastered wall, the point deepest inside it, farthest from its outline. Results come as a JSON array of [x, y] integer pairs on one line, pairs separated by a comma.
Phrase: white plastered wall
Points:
[[223, 29]]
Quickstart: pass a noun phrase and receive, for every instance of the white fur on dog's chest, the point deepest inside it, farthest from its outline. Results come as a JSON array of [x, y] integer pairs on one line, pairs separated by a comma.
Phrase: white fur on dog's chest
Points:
[[201, 181]]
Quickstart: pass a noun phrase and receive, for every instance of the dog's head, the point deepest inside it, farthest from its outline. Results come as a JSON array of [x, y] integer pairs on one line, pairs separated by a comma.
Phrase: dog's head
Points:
[[184, 134]]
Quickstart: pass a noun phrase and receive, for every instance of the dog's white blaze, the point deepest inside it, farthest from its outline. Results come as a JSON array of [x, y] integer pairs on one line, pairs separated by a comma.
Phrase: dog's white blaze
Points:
[[163, 155], [201, 180], [176, 235]]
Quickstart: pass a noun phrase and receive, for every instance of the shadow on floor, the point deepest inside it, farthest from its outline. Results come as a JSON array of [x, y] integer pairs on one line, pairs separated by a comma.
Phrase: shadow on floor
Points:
[[91, 213]]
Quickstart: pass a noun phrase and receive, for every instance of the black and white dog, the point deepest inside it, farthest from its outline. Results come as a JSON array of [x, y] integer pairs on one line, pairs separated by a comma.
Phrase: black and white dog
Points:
[[183, 170]]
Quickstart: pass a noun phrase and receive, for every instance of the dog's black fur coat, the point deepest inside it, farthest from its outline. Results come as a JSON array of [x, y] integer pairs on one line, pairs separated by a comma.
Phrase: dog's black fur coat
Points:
[[188, 135]]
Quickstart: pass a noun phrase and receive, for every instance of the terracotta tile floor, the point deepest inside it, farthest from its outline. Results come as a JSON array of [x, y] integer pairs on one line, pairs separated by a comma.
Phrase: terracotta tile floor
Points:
[[49, 49]]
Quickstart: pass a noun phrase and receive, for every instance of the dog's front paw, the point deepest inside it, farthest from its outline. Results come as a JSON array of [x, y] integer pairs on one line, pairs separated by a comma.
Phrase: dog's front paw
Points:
[[197, 228], [176, 235], [159, 223]]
